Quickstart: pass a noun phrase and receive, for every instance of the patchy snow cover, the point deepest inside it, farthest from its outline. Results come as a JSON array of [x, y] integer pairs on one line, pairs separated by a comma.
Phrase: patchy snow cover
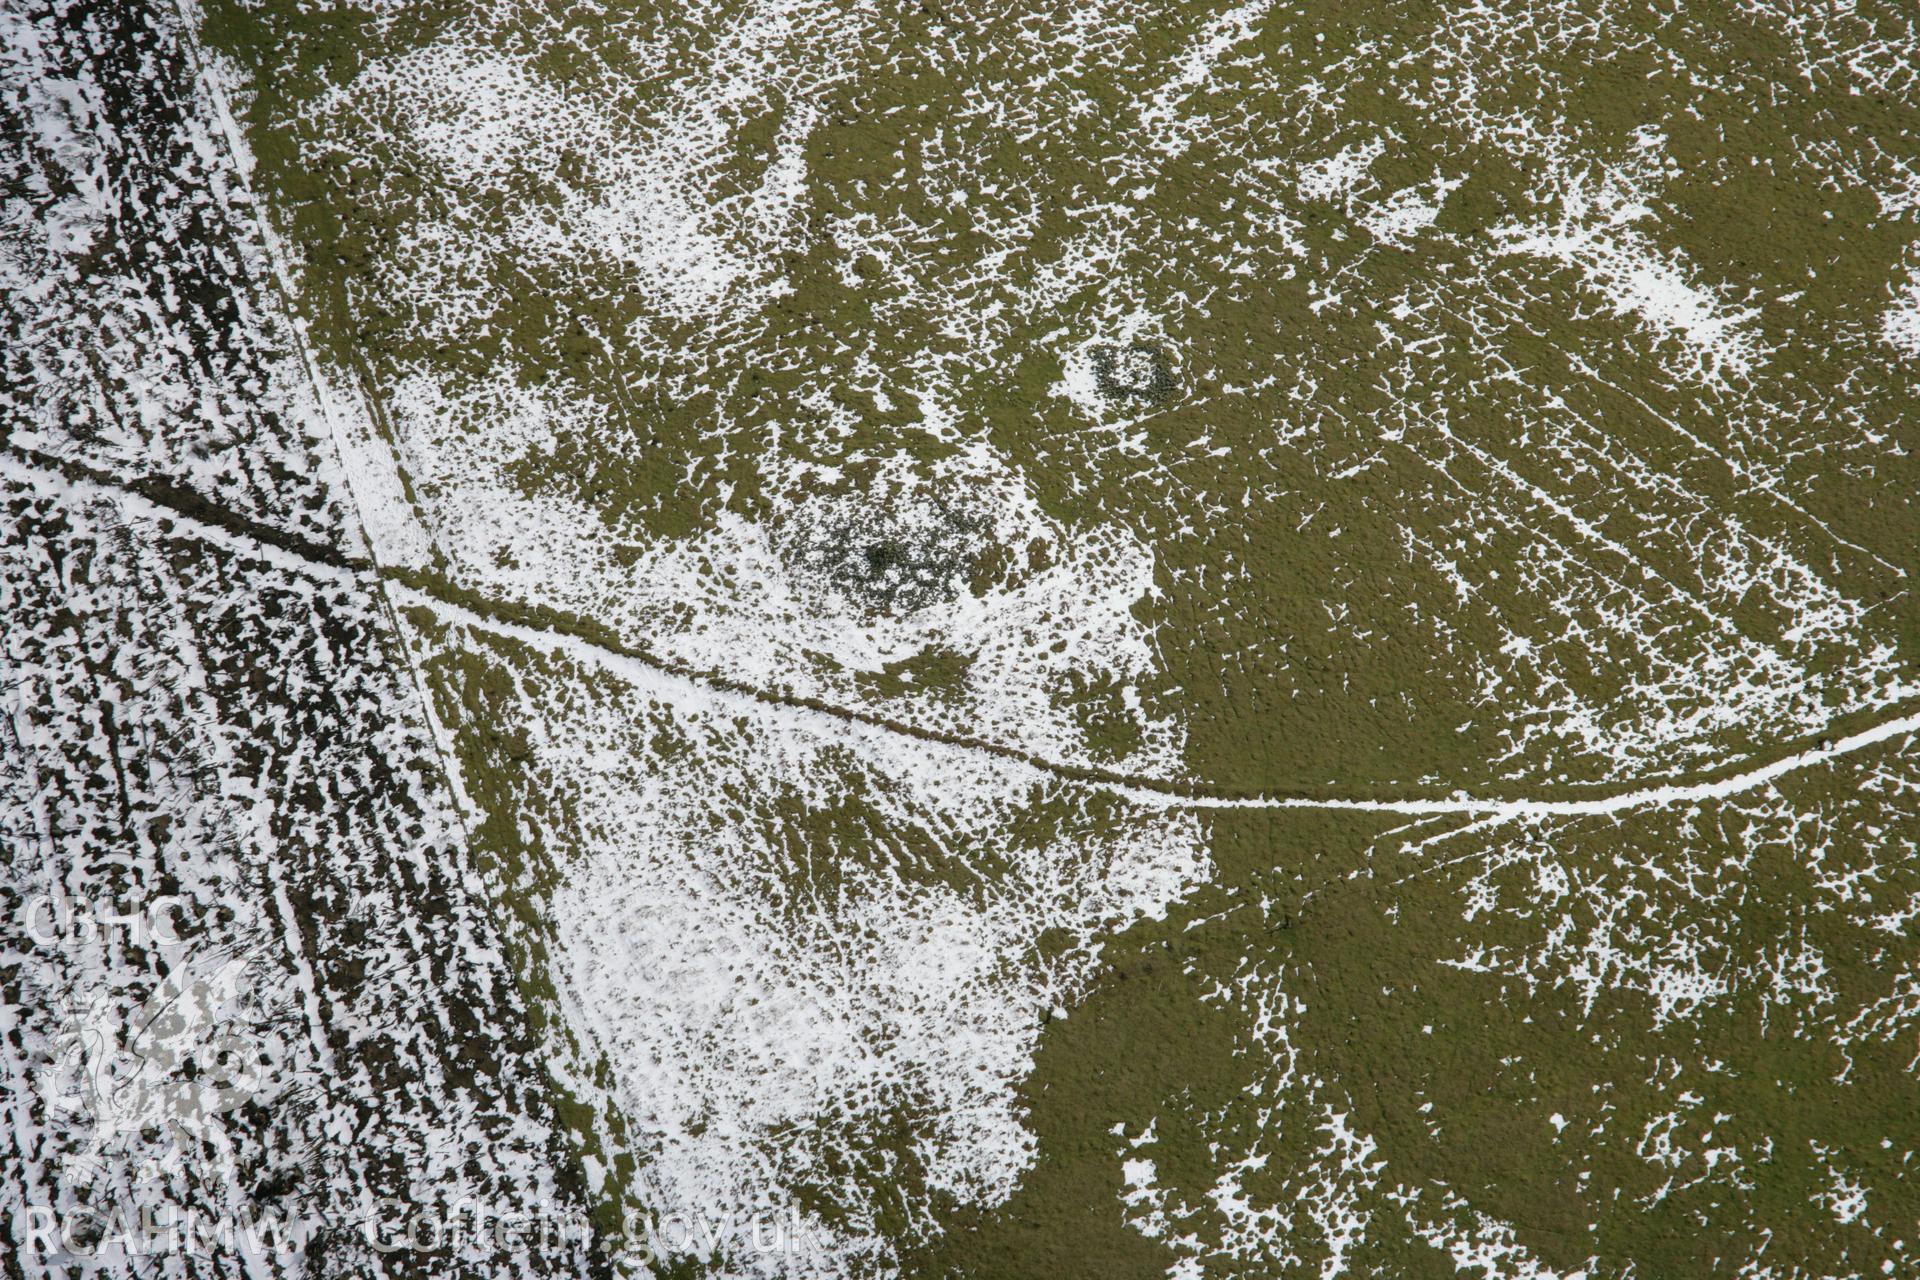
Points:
[[1596, 231], [255, 1007], [794, 817], [764, 995], [1900, 325]]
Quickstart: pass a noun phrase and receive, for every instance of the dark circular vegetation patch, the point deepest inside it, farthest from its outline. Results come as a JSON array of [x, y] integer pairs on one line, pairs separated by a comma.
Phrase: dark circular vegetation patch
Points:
[[1138, 371], [883, 558]]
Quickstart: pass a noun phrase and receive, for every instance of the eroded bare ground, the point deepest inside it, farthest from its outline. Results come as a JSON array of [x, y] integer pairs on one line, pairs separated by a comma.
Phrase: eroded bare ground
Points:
[[858, 640]]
